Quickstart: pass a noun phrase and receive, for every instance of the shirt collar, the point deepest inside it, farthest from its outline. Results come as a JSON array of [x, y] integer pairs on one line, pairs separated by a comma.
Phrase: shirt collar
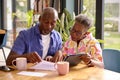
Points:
[[87, 38], [37, 29], [84, 40]]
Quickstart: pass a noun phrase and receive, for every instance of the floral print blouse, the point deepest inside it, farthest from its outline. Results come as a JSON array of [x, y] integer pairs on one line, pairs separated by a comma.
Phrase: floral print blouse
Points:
[[88, 45]]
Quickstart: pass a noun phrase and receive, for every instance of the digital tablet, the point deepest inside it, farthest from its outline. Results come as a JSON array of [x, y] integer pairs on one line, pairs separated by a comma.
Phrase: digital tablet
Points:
[[73, 59]]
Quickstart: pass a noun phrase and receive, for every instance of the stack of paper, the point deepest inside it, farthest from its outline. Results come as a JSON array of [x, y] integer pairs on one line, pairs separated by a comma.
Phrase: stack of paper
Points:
[[44, 65]]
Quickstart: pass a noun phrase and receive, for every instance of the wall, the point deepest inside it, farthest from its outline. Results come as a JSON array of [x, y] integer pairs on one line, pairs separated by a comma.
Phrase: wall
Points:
[[1, 14], [70, 6]]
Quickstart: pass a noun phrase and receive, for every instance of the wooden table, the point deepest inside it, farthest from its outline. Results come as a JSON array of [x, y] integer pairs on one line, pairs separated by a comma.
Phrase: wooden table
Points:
[[2, 31], [80, 72]]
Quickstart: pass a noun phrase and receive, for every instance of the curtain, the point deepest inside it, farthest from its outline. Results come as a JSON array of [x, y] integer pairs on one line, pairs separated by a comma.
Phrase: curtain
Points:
[[39, 5]]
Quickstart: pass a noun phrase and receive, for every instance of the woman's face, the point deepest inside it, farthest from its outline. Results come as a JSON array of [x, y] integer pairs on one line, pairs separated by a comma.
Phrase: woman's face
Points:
[[78, 32]]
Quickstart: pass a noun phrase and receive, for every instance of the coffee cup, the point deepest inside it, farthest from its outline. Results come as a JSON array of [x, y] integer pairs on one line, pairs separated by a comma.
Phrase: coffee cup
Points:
[[62, 67], [21, 63]]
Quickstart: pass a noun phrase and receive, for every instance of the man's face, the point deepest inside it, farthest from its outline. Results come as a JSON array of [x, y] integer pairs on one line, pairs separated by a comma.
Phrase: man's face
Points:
[[47, 24]]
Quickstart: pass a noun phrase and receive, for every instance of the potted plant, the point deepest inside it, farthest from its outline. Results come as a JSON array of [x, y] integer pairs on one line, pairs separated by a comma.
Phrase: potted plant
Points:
[[64, 24]]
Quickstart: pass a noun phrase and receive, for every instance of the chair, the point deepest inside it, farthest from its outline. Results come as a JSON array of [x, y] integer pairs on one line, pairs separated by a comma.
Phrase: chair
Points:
[[111, 58], [3, 37]]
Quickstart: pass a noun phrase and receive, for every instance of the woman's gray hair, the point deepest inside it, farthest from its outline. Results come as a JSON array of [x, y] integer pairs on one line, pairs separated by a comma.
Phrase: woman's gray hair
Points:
[[84, 20]]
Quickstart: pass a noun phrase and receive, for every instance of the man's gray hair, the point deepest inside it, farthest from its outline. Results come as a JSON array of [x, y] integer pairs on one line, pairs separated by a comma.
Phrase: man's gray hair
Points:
[[49, 10]]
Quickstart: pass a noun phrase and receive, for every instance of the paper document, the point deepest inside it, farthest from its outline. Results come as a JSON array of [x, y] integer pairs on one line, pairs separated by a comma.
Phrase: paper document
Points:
[[28, 73], [44, 65], [2, 63]]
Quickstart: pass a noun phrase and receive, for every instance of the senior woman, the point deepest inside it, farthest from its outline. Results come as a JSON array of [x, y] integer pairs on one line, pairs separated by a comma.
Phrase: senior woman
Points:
[[82, 41]]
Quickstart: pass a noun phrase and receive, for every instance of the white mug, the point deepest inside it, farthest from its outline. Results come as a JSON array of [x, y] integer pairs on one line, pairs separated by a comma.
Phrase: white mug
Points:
[[21, 63], [62, 67]]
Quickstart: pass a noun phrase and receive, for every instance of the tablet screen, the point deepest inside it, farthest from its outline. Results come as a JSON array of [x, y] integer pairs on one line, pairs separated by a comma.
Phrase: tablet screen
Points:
[[73, 59]]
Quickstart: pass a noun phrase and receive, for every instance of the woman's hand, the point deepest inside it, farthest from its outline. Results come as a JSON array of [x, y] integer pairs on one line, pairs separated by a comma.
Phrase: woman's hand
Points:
[[90, 62], [86, 58]]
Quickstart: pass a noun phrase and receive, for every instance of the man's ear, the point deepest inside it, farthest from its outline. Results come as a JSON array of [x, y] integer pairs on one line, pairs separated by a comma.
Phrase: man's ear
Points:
[[39, 18]]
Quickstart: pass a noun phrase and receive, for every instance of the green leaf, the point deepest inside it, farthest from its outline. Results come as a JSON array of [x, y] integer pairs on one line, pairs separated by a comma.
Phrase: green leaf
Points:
[[64, 23]]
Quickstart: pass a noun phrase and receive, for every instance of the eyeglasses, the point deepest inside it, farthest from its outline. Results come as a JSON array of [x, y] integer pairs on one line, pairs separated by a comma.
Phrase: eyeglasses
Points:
[[76, 32]]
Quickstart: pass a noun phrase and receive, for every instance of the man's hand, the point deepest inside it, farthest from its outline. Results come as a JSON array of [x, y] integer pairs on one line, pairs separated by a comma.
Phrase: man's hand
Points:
[[58, 57], [33, 57], [49, 58]]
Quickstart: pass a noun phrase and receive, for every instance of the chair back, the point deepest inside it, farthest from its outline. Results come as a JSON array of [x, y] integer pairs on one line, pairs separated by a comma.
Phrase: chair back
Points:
[[111, 58], [3, 38]]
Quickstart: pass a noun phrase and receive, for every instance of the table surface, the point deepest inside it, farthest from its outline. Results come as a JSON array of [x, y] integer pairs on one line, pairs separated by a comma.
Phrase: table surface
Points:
[[2, 31], [80, 72]]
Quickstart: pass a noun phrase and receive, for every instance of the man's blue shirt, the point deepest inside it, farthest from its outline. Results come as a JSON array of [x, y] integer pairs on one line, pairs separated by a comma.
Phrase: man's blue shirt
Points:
[[30, 40]]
